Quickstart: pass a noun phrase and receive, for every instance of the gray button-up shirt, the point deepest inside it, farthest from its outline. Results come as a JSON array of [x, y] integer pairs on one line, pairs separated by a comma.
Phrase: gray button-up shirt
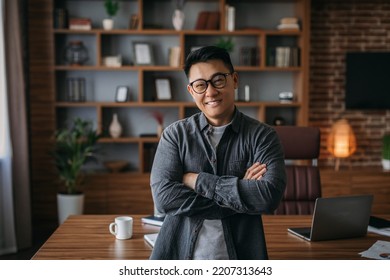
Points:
[[220, 191]]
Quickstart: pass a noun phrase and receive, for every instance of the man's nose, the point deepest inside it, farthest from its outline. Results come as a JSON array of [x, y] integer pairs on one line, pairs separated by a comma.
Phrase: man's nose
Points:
[[211, 90]]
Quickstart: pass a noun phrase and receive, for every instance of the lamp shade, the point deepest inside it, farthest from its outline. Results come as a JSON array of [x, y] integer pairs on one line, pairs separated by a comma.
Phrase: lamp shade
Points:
[[341, 141]]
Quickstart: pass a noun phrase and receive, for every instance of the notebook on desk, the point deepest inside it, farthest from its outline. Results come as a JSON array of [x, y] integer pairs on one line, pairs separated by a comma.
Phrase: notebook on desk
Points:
[[337, 218], [151, 238]]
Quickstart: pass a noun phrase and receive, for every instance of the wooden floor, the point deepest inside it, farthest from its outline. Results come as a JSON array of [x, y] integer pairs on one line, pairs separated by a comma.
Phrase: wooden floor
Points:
[[23, 254], [27, 254]]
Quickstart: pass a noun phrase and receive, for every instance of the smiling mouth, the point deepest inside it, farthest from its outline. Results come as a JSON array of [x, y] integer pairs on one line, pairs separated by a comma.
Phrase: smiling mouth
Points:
[[213, 102]]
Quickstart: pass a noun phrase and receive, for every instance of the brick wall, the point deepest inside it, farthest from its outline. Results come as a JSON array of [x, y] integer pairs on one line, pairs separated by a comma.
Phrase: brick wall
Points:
[[336, 28]]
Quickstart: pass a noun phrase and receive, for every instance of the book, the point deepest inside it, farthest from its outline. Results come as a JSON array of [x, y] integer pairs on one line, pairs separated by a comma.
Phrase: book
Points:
[[80, 24], [212, 22], [174, 56], [153, 220], [151, 238], [288, 26], [230, 20], [61, 18], [288, 20], [202, 20]]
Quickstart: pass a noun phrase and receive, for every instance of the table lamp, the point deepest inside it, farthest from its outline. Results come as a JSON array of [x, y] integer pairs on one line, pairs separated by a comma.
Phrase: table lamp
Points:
[[341, 142]]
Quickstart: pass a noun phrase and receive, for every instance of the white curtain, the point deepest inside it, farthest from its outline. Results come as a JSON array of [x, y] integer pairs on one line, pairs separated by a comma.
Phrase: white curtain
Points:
[[7, 224]]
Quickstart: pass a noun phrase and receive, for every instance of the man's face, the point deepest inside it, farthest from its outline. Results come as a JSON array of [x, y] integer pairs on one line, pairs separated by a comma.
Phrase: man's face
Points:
[[216, 103]]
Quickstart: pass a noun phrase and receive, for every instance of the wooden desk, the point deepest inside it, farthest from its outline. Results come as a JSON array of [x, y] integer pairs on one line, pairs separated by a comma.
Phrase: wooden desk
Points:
[[87, 237]]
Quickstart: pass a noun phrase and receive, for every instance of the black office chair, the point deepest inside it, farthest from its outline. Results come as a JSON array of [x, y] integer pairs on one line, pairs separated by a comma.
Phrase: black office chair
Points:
[[301, 147]]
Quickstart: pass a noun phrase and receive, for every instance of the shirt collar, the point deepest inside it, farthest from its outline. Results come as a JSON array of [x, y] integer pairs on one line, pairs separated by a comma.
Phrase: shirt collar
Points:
[[235, 124]]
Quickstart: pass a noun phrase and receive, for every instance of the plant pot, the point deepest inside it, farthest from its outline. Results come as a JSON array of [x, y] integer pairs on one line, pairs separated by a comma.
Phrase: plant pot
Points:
[[386, 164], [108, 24], [69, 204]]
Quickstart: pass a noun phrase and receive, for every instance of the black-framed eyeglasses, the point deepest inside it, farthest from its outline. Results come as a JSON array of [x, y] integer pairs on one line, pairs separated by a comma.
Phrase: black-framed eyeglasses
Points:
[[217, 81]]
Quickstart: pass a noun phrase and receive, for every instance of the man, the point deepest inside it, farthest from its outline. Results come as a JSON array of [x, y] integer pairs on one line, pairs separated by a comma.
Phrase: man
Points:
[[215, 172]]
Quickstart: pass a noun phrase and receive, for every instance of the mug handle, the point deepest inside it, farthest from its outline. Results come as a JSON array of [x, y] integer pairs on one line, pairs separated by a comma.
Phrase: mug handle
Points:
[[112, 227]]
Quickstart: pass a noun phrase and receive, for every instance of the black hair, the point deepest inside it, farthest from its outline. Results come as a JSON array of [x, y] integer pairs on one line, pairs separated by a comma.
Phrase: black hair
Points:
[[205, 54]]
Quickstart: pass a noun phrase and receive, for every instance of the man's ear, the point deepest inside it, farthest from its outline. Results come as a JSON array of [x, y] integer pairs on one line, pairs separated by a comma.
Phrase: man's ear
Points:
[[235, 80], [189, 89]]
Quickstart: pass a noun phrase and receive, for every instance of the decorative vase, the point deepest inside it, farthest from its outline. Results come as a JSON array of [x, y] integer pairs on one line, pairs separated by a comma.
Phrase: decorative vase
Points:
[[115, 127], [178, 19], [76, 53], [160, 129], [108, 24], [69, 204], [386, 164]]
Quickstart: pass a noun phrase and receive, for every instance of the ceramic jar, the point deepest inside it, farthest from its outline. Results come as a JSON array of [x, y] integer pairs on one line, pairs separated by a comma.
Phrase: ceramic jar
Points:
[[76, 53], [115, 128], [178, 19]]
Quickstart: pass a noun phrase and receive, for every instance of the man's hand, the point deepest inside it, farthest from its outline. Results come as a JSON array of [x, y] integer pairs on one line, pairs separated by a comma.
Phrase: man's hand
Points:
[[255, 172]]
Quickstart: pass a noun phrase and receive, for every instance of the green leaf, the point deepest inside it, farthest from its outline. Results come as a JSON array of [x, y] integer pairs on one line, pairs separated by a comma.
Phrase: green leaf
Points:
[[73, 147]]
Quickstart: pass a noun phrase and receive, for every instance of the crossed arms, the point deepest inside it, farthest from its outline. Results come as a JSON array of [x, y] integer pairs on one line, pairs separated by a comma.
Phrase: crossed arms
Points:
[[211, 196]]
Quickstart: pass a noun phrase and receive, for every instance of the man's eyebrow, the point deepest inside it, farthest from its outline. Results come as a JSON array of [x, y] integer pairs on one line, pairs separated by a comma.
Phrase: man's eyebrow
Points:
[[212, 76]]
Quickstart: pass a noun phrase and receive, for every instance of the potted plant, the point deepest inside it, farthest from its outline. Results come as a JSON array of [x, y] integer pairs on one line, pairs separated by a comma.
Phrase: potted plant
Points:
[[112, 8], [386, 152], [225, 43], [73, 147]]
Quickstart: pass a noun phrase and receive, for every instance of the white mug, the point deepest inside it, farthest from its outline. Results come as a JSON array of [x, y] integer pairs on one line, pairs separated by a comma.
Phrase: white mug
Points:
[[122, 228]]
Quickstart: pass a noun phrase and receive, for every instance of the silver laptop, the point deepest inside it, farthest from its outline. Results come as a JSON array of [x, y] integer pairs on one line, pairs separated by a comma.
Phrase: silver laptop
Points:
[[337, 218]]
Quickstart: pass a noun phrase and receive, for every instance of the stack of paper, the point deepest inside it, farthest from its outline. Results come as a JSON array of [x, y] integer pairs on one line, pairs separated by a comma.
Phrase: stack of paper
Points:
[[379, 251]]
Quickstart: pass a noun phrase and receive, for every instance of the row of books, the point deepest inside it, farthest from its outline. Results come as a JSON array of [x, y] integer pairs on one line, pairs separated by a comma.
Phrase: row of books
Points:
[[250, 56], [209, 20], [284, 57], [60, 19]]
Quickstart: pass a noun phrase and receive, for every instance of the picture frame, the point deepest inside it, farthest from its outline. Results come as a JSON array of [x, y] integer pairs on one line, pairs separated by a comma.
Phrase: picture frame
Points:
[[163, 89], [143, 54], [122, 94]]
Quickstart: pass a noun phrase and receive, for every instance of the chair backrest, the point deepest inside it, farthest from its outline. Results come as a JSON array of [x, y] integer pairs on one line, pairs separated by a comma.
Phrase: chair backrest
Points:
[[300, 144]]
